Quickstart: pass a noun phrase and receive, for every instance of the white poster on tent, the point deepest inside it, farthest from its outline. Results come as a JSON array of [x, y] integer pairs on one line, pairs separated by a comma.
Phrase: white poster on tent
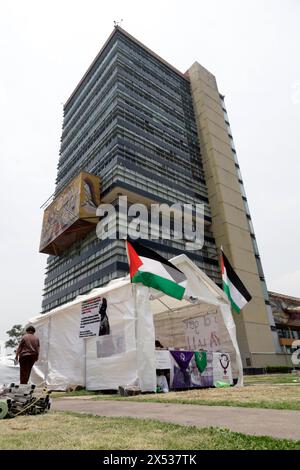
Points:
[[94, 321], [202, 333], [113, 343], [222, 368], [163, 360]]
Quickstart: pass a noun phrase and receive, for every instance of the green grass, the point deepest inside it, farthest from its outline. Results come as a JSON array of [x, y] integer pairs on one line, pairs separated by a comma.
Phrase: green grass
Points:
[[81, 431], [189, 401], [272, 379], [270, 396], [260, 391], [78, 393]]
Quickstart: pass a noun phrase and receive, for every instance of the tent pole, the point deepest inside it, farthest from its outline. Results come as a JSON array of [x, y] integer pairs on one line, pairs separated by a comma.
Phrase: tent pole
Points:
[[48, 351], [84, 376], [165, 305]]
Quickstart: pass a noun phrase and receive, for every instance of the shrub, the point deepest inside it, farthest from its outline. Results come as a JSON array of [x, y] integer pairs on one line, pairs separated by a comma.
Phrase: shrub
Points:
[[278, 369]]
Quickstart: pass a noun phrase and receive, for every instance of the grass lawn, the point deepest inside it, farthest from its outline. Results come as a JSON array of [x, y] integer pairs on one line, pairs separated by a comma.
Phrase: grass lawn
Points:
[[280, 397], [272, 379], [277, 391], [81, 431]]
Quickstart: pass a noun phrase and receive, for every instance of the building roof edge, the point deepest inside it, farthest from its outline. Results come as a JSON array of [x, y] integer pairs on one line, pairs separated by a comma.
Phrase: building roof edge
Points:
[[136, 41]]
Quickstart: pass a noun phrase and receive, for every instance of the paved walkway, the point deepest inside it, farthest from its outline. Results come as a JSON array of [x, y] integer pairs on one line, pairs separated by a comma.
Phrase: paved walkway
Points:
[[283, 424]]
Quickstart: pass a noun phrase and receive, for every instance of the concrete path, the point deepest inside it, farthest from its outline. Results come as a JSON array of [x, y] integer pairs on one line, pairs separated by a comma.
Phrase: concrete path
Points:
[[283, 424]]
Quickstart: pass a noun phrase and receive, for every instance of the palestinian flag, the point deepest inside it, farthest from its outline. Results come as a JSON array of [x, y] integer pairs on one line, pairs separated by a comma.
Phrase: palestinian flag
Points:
[[233, 286], [152, 270]]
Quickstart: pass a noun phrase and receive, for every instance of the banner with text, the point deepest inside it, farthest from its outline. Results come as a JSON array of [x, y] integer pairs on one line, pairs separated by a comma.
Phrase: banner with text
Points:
[[94, 321]]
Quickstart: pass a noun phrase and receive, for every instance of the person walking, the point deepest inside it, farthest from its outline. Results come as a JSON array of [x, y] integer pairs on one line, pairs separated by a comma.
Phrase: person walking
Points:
[[27, 353]]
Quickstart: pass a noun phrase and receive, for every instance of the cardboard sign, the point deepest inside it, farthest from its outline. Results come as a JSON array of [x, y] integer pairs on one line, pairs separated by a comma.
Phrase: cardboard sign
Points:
[[202, 333]]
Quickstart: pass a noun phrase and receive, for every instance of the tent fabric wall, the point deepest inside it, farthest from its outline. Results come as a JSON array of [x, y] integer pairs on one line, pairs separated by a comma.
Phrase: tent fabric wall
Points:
[[111, 360], [200, 285], [61, 361], [67, 360], [133, 364], [127, 356], [206, 293], [237, 367], [145, 340], [65, 357], [171, 331]]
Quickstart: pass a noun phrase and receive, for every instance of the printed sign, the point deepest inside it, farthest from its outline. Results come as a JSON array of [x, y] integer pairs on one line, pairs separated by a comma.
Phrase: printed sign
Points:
[[94, 320], [222, 368]]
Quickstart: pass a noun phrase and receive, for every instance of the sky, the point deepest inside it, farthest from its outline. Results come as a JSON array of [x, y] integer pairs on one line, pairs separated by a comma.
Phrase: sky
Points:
[[251, 46]]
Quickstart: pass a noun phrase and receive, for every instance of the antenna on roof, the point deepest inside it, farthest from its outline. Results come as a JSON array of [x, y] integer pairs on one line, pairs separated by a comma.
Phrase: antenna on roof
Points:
[[117, 23]]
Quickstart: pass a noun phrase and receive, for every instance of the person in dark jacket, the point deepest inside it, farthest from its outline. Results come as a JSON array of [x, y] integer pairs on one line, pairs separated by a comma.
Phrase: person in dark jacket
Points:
[[27, 353]]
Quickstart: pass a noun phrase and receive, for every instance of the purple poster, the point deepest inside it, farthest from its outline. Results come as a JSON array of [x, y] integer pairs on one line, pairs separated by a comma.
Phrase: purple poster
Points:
[[182, 358], [185, 372]]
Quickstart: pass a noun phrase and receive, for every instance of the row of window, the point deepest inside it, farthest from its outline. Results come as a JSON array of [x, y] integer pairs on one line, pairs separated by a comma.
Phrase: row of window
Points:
[[288, 333], [163, 119], [149, 64], [87, 121], [143, 62], [96, 266], [158, 151], [132, 55], [84, 266], [153, 187], [70, 296], [101, 71], [100, 147], [133, 75], [96, 125], [59, 286], [116, 249]]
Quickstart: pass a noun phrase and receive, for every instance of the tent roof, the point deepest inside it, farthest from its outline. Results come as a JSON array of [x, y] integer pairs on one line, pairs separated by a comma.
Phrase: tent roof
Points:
[[200, 287], [99, 291], [182, 261]]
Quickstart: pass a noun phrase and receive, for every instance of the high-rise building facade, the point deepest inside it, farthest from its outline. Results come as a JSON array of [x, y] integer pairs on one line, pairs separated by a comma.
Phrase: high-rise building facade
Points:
[[157, 135], [130, 121]]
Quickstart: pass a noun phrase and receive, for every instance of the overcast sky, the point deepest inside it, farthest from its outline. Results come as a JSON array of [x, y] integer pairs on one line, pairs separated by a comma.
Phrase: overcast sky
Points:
[[252, 47]]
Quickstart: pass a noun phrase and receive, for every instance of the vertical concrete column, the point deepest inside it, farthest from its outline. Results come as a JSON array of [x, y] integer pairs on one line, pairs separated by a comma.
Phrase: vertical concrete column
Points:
[[229, 222]]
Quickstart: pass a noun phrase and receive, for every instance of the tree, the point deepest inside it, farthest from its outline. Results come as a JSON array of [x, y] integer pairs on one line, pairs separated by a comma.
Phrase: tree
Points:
[[15, 334]]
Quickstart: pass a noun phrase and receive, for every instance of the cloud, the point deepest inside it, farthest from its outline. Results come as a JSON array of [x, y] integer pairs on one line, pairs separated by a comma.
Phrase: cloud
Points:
[[288, 283]]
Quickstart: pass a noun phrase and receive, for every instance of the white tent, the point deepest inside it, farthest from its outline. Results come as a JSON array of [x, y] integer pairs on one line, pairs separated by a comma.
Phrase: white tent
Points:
[[137, 316]]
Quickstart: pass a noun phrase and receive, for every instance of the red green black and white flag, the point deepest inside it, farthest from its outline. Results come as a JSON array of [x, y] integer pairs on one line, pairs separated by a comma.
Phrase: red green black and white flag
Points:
[[233, 286], [149, 268]]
